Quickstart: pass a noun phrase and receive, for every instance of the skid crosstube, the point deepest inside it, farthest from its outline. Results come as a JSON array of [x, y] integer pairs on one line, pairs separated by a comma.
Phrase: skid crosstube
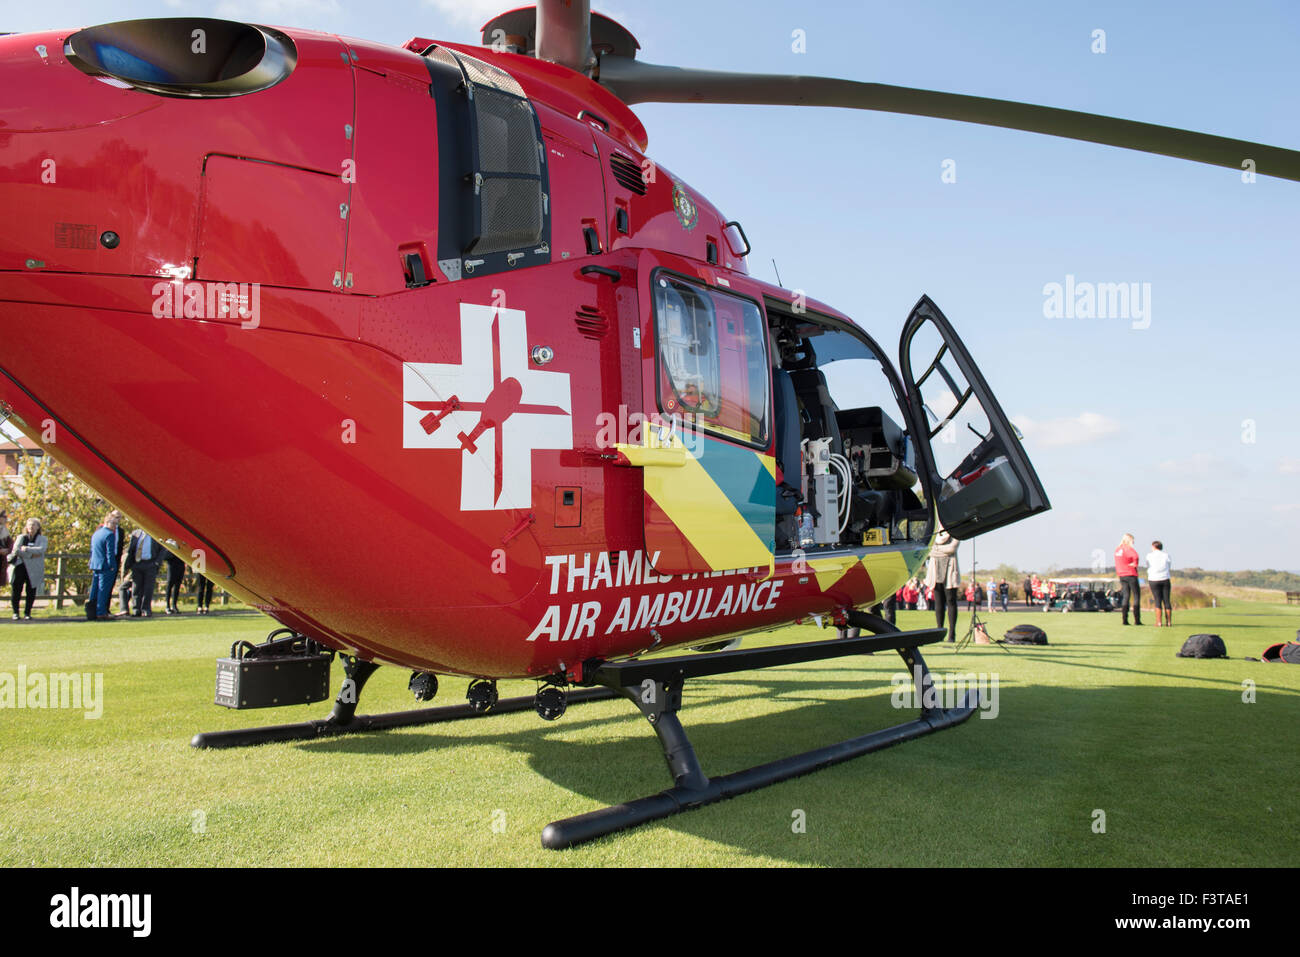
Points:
[[655, 687]]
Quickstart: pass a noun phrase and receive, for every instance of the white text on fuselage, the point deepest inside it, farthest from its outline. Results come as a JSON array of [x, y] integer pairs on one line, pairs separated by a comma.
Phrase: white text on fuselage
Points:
[[587, 572]]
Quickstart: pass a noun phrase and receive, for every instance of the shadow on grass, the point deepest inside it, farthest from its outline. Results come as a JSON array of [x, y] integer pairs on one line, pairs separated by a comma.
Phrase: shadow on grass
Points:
[[1179, 770], [1210, 669]]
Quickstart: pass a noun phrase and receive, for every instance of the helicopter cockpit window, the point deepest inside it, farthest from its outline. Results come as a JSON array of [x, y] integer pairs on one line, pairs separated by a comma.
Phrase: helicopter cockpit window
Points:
[[713, 366]]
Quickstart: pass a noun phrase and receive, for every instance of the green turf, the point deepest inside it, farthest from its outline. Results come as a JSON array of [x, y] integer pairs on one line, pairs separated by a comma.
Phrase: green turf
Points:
[[1105, 718]]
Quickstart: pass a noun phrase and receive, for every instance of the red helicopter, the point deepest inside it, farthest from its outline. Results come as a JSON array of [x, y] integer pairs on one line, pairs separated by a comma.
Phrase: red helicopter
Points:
[[498, 396]]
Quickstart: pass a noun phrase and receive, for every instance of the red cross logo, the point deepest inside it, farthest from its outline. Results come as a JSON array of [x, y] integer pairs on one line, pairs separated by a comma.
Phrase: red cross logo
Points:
[[493, 388]]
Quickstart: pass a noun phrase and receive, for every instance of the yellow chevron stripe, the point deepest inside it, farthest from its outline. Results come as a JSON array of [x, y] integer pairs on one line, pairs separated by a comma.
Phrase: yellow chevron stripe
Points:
[[769, 463], [831, 570], [703, 513], [888, 571], [642, 456]]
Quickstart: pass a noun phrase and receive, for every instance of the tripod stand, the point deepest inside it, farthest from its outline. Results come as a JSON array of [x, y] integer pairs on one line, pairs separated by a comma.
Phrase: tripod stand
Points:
[[977, 625]]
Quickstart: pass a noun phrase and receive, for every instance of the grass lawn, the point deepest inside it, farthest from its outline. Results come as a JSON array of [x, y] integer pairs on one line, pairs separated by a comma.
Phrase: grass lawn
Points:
[[1105, 718]]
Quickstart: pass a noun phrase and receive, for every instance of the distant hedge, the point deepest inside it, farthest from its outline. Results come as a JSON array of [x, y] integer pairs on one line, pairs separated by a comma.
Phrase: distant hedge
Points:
[[1269, 578], [1189, 596]]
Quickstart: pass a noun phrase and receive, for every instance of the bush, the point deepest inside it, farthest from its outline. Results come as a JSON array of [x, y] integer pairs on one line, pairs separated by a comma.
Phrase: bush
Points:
[[1189, 596]]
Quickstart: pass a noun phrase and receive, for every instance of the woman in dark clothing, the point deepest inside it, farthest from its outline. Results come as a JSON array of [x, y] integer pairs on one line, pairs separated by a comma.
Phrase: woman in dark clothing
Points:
[[6, 545], [204, 592], [175, 578], [943, 575], [28, 559]]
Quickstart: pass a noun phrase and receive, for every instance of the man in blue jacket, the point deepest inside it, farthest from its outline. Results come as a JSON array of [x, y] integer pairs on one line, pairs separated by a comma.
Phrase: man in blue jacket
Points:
[[103, 567]]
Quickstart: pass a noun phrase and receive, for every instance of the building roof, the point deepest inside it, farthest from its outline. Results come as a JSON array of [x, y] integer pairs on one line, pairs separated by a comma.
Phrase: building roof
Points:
[[22, 443]]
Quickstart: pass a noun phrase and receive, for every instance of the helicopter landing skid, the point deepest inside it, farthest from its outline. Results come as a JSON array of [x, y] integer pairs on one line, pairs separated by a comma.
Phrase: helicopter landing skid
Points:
[[343, 719], [655, 687]]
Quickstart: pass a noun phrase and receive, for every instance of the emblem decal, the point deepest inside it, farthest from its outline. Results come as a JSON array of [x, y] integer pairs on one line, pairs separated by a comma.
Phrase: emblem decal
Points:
[[493, 389], [687, 212]]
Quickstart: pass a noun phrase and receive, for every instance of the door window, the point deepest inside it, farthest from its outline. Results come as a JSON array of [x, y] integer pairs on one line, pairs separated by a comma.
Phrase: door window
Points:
[[955, 419], [981, 475], [713, 364]]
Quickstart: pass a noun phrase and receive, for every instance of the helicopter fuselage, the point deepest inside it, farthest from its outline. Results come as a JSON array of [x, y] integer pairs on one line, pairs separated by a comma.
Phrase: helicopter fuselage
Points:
[[270, 365]]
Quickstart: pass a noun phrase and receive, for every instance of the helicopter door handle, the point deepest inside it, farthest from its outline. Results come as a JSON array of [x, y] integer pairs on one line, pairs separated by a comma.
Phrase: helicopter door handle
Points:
[[594, 117], [613, 274]]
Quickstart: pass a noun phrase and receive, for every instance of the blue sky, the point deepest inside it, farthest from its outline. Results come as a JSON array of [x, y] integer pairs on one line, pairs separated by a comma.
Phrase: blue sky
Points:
[[1185, 430]]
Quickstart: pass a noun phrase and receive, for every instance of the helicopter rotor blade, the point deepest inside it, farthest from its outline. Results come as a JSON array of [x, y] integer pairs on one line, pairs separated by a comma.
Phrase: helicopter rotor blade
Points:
[[636, 82]]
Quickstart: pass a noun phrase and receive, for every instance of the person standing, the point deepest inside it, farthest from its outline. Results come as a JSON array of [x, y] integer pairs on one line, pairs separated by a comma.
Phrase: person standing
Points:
[[1028, 586], [119, 549], [992, 593], [1004, 593], [203, 596], [28, 559], [143, 557], [1126, 567], [887, 609], [1158, 579], [944, 577], [175, 578], [126, 562], [6, 546], [104, 551]]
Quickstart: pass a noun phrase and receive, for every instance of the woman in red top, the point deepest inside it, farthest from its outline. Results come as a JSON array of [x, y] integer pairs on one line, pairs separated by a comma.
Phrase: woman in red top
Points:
[[1126, 567]]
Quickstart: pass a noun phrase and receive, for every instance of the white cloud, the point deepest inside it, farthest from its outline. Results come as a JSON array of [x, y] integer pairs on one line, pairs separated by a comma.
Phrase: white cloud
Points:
[[1071, 430], [1289, 507], [1289, 466]]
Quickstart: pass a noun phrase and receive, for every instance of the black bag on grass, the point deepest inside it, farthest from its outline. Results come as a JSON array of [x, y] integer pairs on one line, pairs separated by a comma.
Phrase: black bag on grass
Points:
[[1026, 635], [1283, 653], [1203, 646]]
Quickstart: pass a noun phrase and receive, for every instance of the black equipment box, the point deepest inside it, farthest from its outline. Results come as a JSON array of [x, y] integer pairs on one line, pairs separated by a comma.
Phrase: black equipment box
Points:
[[271, 681], [877, 448]]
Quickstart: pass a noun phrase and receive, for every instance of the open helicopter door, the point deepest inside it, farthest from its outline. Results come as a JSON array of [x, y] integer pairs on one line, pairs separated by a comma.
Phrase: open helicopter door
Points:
[[709, 475], [980, 475]]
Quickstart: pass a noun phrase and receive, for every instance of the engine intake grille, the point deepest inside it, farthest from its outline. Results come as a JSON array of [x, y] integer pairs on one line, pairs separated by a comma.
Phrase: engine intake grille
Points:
[[628, 173], [592, 323]]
